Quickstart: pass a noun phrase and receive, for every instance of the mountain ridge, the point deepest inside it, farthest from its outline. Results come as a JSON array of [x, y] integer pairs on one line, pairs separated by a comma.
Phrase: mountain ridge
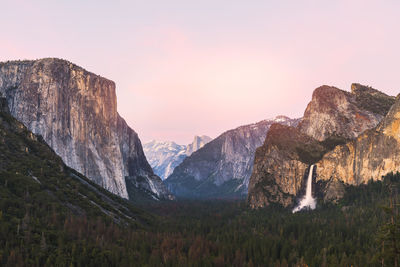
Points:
[[222, 167], [164, 156], [27, 158], [371, 155], [332, 118], [76, 113]]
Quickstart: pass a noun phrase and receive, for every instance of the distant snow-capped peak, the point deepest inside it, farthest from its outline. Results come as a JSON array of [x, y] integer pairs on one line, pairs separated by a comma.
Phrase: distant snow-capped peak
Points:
[[164, 156], [281, 118]]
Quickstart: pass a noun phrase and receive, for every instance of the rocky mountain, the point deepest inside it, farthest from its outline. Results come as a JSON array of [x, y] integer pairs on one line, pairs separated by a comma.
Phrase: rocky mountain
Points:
[[222, 168], [198, 142], [35, 181], [75, 112], [280, 165], [346, 114], [374, 153], [333, 118], [165, 156]]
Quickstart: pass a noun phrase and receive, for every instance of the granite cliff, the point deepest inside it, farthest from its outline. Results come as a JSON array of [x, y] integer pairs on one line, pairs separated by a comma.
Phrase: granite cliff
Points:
[[346, 114], [280, 165], [75, 112], [371, 155], [222, 168], [332, 118], [33, 180]]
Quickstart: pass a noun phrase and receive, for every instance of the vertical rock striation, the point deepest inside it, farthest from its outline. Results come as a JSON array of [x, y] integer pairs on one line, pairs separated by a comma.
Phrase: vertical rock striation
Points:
[[336, 112], [75, 111], [197, 143], [332, 118], [371, 155], [280, 164], [222, 168]]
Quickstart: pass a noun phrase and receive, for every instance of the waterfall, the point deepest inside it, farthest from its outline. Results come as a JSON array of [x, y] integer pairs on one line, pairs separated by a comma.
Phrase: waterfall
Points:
[[307, 201]]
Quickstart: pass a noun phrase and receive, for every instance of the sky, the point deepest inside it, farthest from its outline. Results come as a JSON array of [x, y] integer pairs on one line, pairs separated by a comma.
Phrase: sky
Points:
[[185, 68]]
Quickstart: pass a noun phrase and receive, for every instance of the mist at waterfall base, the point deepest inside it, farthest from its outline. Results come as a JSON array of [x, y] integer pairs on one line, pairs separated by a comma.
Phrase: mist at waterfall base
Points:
[[307, 202]]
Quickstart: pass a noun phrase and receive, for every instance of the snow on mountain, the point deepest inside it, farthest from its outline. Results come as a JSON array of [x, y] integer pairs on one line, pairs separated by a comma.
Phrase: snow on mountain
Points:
[[222, 168], [164, 156]]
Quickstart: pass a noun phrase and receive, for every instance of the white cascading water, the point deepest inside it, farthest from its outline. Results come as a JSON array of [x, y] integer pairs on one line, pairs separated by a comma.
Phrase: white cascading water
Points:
[[308, 201]]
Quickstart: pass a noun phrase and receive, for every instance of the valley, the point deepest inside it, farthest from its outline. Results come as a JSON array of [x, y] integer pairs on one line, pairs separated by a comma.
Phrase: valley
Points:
[[78, 188], [199, 133], [222, 168], [199, 233]]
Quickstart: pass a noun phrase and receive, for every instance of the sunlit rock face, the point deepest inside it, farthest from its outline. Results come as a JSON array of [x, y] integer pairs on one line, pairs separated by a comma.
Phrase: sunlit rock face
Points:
[[371, 155], [222, 168], [76, 113], [332, 118], [347, 114]]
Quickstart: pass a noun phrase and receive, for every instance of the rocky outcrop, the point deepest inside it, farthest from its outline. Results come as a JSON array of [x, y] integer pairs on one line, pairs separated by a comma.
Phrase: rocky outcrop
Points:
[[165, 156], [75, 112], [138, 173], [280, 164], [371, 155], [336, 112], [333, 190], [332, 118], [197, 143], [222, 168], [32, 174]]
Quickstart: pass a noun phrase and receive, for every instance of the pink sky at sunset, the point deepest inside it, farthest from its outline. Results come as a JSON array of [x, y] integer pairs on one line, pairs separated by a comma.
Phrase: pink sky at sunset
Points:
[[203, 67]]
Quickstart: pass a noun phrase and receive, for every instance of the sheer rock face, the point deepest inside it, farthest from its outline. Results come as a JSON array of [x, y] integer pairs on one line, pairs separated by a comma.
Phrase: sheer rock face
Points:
[[76, 113], [332, 118], [198, 142], [222, 168], [371, 155], [279, 166], [336, 112], [137, 171]]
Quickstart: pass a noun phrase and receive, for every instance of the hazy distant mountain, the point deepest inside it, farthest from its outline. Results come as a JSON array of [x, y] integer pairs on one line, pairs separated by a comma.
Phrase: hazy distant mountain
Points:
[[198, 142], [222, 168], [164, 156]]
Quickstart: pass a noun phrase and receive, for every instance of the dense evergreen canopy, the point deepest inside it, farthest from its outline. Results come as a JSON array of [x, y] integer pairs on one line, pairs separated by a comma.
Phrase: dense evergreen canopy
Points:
[[52, 216], [209, 233]]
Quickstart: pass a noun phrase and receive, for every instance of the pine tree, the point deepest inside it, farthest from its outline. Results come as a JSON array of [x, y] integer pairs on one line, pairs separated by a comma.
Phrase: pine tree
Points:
[[389, 233], [43, 245]]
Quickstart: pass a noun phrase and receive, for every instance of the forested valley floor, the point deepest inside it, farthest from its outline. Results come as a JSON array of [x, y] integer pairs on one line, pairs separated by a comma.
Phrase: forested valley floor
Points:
[[361, 230]]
